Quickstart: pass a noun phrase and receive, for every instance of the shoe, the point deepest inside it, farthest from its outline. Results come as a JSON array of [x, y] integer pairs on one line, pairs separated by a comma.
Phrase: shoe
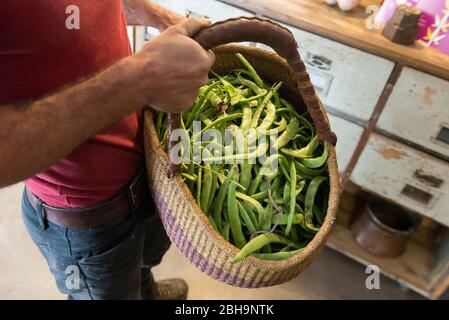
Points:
[[171, 289]]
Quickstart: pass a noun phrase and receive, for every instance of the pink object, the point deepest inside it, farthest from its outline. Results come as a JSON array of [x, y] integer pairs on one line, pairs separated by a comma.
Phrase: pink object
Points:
[[434, 25], [388, 7], [434, 31]]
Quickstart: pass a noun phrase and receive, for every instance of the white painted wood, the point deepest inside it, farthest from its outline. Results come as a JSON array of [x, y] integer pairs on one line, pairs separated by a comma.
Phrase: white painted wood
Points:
[[387, 166], [140, 32], [347, 80], [210, 9], [353, 81], [348, 135], [130, 31], [417, 109]]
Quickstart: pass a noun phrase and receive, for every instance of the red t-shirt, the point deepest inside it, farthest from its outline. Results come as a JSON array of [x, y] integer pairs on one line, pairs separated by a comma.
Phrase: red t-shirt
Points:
[[38, 56]]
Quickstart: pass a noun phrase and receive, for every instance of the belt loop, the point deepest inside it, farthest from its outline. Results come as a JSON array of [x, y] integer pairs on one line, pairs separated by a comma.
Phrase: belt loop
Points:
[[40, 214]]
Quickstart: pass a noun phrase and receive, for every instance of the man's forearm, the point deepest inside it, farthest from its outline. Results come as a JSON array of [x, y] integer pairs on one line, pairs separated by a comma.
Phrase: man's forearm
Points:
[[34, 136], [146, 13]]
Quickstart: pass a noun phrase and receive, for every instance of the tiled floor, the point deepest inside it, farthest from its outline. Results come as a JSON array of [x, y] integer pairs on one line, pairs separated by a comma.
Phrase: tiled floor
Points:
[[24, 274]]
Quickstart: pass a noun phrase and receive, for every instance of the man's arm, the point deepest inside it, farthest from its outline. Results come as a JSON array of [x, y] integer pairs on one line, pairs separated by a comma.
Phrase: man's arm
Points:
[[145, 13], [36, 135]]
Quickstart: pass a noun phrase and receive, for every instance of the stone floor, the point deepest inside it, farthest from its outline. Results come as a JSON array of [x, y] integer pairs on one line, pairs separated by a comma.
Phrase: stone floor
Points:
[[24, 273]]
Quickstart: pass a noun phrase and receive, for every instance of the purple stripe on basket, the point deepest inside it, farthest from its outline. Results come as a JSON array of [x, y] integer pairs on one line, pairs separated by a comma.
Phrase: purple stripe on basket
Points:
[[177, 235]]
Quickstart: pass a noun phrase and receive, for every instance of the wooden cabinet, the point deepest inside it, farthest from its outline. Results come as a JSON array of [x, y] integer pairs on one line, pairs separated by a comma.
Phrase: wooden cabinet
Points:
[[418, 111], [348, 135], [411, 178], [210, 9], [348, 81]]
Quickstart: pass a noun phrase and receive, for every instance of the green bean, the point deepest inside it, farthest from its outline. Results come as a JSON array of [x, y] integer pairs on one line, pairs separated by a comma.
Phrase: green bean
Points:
[[254, 87], [218, 121], [246, 119], [233, 214], [245, 169], [212, 222], [307, 171], [314, 163], [261, 150], [251, 70], [268, 214], [266, 99], [198, 186], [282, 255], [246, 218], [287, 135], [199, 104], [305, 152], [213, 188], [312, 190], [292, 197], [264, 171], [206, 187], [269, 118], [282, 219], [250, 212], [214, 99], [254, 203], [226, 229], [260, 241], [220, 197]]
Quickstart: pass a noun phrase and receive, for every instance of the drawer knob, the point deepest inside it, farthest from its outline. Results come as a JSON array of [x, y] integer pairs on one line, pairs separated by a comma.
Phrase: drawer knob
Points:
[[427, 179], [417, 194], [443, 135]]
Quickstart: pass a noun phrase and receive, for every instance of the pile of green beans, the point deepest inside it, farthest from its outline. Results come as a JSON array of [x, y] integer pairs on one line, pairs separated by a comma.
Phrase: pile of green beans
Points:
[[269, 215]]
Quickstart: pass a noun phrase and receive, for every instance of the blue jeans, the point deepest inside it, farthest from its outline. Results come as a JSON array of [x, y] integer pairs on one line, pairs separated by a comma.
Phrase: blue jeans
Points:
[[110, 262]]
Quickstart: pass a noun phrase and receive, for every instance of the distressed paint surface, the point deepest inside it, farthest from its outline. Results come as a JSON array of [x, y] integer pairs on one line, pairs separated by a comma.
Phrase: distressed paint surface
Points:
[[358, 78], [417, 109], [386, 167], [348, 135], [212, 9]]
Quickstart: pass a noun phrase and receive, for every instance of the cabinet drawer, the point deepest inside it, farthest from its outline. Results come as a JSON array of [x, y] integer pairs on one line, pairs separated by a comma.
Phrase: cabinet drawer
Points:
[[405, 175], [210, 9], [348, 135], [418, 111], [347, 79]]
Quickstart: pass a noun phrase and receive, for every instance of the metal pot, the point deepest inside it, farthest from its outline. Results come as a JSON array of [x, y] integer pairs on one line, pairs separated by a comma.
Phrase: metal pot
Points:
[[383, 229]]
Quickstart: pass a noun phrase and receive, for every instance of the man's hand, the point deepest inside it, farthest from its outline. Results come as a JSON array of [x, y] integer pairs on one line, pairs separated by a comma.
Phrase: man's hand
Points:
[[173, 67]]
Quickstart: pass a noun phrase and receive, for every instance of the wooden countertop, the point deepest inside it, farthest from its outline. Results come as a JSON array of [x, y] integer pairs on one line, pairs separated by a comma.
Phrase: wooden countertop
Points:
[[349, 28]]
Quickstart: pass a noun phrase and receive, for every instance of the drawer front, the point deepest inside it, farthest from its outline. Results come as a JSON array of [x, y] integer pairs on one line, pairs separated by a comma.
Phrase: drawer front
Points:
[[210, 9], [347, 80], [348, 135], [130, 31], [418, 111], [405, 175]]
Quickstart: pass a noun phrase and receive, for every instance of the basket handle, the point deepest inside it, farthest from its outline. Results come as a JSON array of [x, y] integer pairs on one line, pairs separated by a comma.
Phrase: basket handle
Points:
[[283, 42]]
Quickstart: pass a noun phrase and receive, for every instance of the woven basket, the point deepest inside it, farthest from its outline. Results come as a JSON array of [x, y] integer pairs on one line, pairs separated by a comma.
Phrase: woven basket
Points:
[[186, 225]]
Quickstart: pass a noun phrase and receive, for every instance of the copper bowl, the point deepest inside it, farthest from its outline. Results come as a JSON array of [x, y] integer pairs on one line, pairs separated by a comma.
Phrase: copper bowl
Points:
[[383, 229]]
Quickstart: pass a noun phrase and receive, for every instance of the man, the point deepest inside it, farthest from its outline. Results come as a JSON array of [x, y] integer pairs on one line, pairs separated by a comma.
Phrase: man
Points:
[[70, 123]]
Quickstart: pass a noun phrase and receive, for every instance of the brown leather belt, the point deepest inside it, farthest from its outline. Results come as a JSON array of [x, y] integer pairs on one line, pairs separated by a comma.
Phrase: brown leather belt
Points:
[[107, 212]]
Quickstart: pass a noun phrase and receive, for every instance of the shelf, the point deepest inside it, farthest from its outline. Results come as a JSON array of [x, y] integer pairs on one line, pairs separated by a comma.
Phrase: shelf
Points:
[[413, 268]]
